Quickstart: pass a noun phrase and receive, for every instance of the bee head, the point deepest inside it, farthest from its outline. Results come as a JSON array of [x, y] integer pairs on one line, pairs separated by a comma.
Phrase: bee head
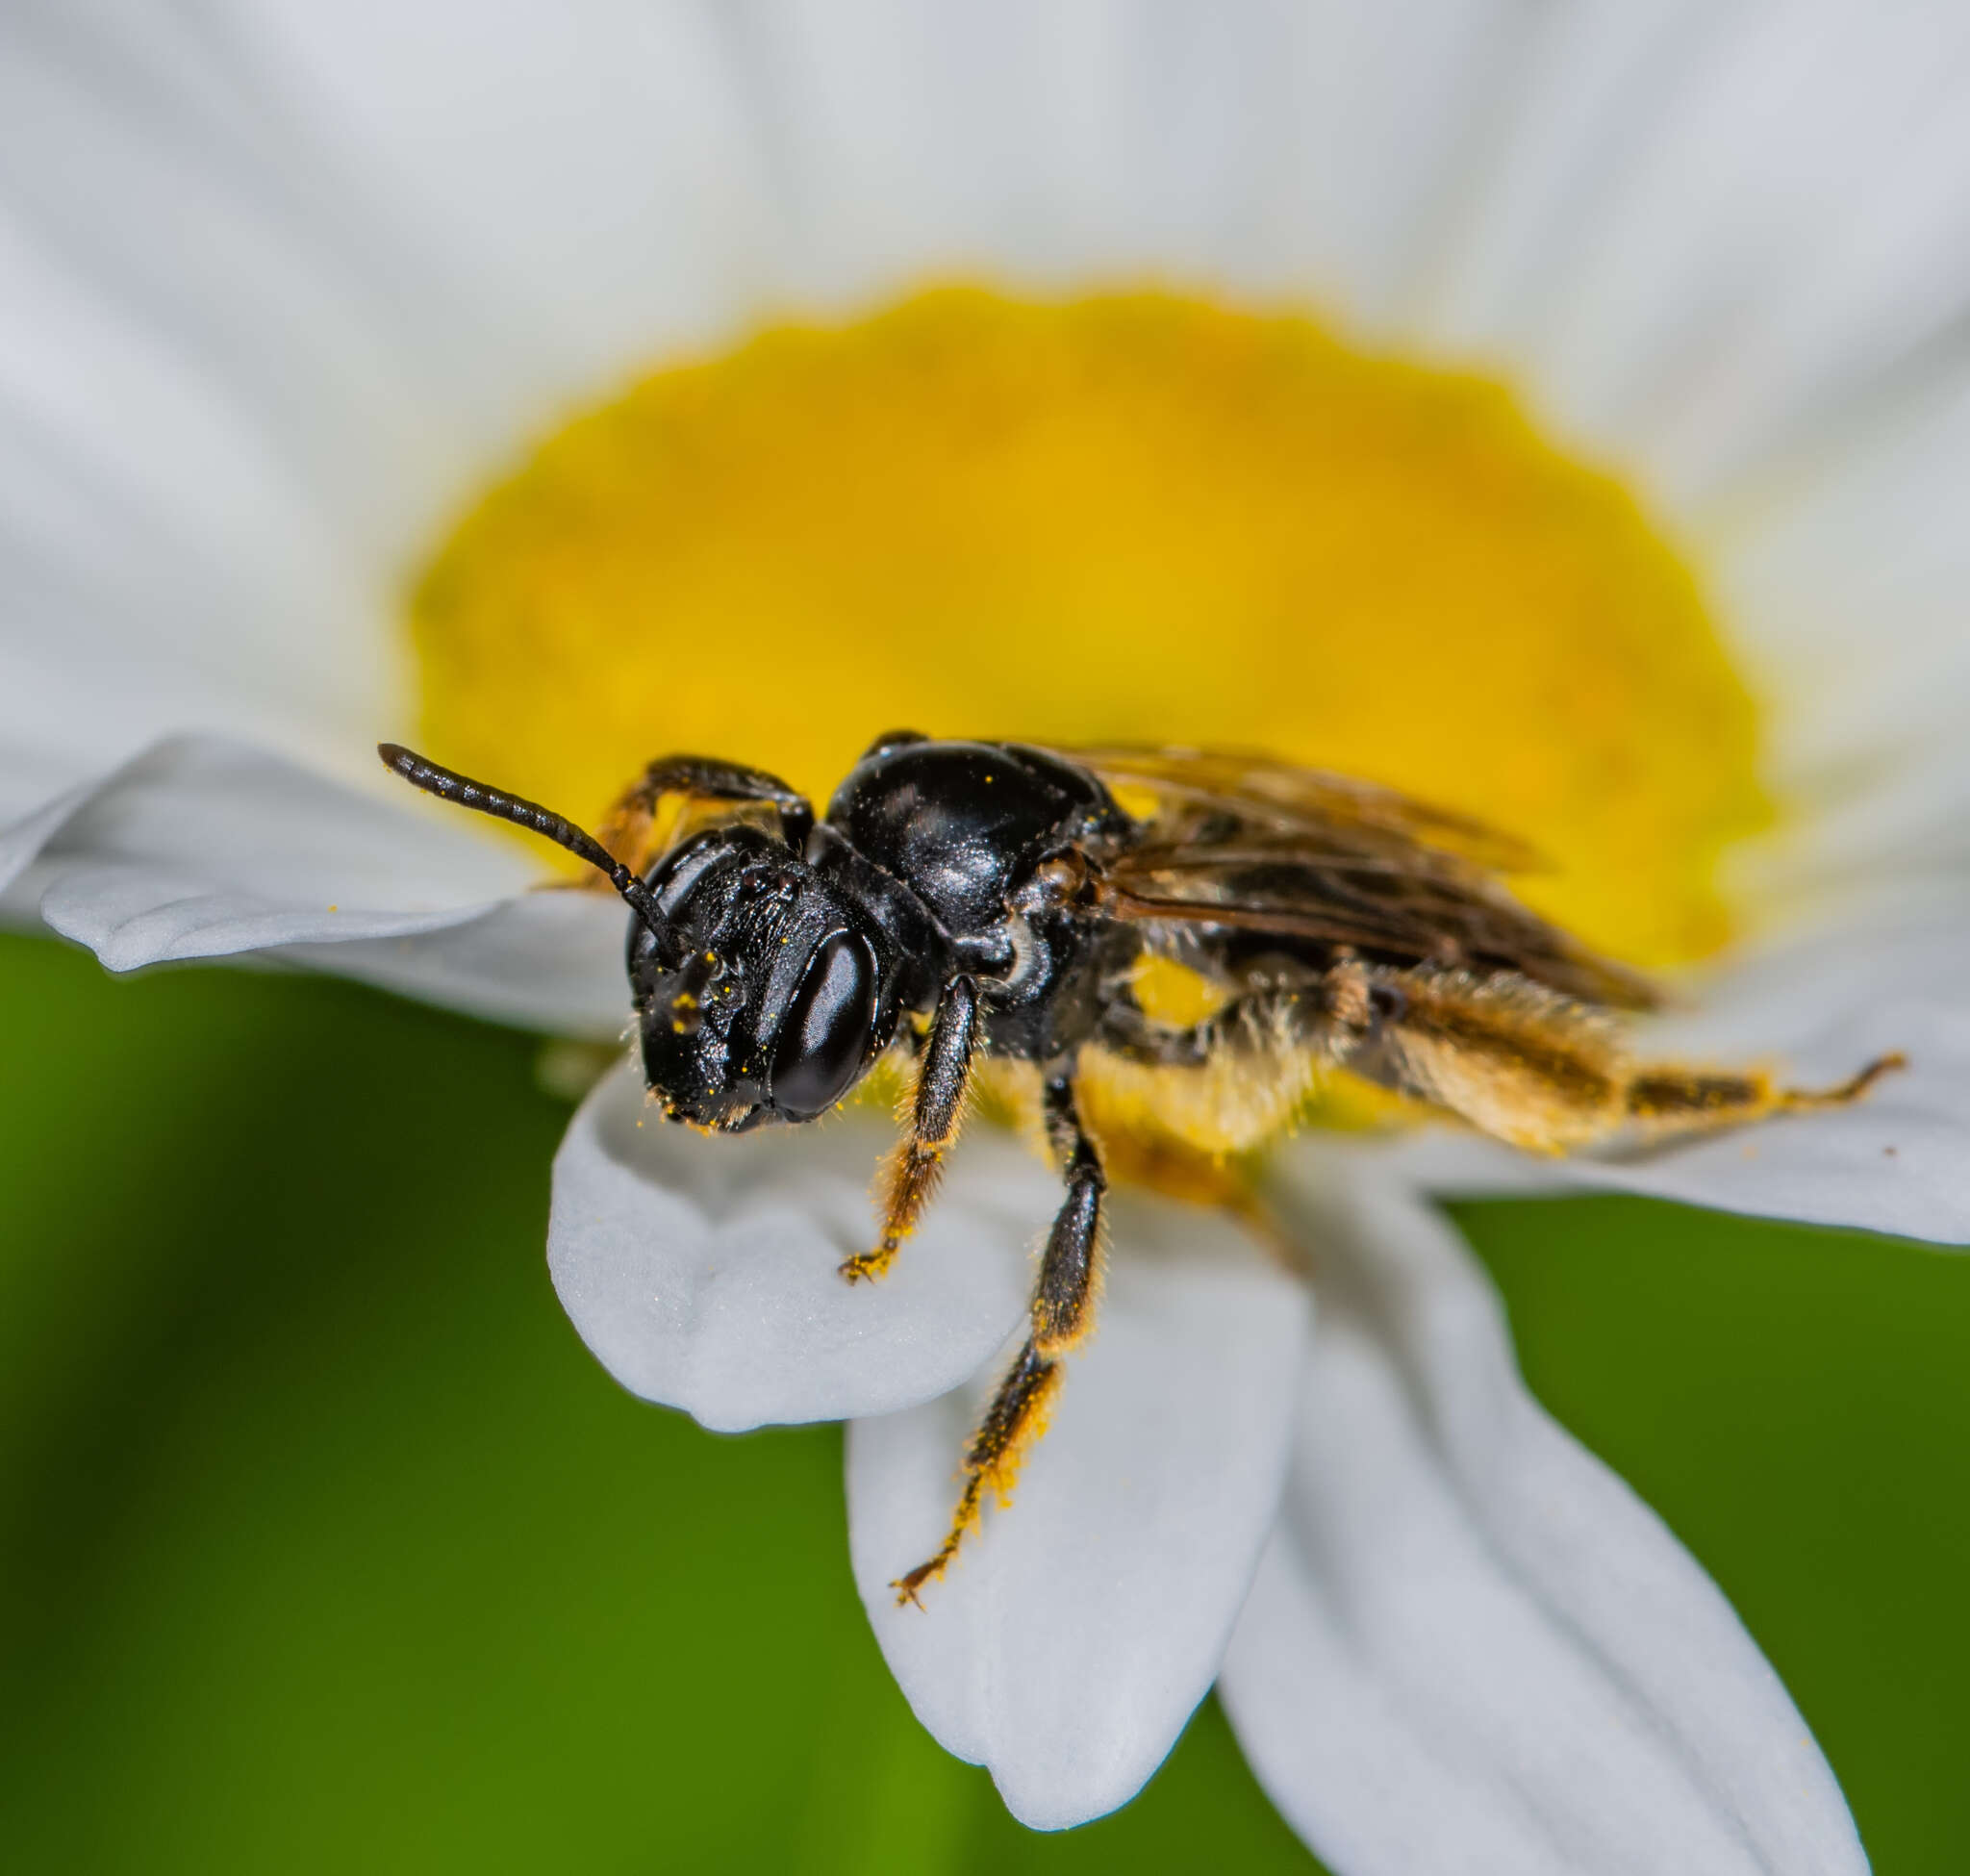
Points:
[[760, 995]]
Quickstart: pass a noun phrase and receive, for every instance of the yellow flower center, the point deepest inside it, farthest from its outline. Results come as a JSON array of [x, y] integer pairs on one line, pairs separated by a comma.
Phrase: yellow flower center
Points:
[[1126, 517]]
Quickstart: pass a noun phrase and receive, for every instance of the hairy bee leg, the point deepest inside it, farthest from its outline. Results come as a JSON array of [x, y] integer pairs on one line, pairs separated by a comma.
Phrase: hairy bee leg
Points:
[[626, 829], [1664, 1096], [912, 1172], [1063, 1311], [1534, 1069]]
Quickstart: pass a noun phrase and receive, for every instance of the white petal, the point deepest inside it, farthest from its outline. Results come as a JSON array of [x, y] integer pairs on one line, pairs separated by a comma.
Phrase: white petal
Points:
[[1079, 1627], [167, 173], [1470, 1647], [1826, 1005], [583, 187], [167, 563], [1847, 597], [1823, 1007], [254, 347], [702, 1271], [1725, 222], [204, 849], [22, 840], [1262, 147]]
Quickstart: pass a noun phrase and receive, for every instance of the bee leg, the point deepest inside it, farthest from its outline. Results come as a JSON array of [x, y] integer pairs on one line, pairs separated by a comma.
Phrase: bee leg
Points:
[[1532, 1067], [1675, 1098], [626, 831], [911, 1173], [1063, 1311]]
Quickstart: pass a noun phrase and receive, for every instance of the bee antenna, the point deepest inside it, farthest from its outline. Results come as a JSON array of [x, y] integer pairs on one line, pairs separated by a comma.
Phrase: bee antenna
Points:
[[450, 786]]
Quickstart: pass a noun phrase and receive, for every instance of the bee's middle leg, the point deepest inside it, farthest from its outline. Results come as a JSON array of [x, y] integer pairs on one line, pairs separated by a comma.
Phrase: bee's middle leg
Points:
[[910, 1174], [1063, 1311]]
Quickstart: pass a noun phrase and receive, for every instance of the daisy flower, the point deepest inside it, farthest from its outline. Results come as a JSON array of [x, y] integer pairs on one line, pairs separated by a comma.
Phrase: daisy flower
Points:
[[1552, 412]]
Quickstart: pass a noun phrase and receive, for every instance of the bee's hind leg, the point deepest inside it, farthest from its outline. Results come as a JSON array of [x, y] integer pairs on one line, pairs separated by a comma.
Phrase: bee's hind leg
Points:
[[1669, 1098], [1063, 1311], [1534, 1069]]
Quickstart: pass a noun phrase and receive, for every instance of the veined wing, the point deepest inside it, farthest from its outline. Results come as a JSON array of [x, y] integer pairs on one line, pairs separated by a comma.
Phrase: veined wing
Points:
[[1244, 843], [1196, 785]]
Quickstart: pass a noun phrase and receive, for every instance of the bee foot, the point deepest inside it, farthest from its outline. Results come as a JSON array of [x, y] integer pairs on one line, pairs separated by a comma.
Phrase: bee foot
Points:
[[1855, 1086], [906, 1586], [871, 1264]]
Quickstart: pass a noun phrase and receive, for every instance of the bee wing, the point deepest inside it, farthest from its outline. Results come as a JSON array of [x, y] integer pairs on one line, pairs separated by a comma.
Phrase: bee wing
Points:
[[1247, 844], [1195, 785]]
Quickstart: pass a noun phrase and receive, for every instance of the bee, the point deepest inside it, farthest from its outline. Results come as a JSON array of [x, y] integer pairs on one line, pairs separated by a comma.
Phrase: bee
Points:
[[963, 901]]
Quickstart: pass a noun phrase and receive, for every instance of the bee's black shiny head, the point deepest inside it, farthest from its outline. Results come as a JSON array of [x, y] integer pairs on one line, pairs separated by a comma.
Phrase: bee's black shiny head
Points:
[[772, 997]]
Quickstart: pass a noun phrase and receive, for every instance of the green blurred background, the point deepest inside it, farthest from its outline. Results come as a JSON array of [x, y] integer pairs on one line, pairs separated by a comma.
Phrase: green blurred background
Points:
[[328, 1547]]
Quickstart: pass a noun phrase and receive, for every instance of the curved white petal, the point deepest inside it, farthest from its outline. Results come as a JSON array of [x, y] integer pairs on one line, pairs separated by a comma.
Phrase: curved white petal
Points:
[[1265, 149], [170, 556], [1470, 1647], [167, 173], [1701, 231], [1849, 597], [1822, 1007], [1078, 1628], [202, 848], [581, 187], [702, 1272], [1893, 1162]]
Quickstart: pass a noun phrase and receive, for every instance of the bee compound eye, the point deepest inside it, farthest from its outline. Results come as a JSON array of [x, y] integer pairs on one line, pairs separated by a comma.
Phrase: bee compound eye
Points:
[[826, 1030]]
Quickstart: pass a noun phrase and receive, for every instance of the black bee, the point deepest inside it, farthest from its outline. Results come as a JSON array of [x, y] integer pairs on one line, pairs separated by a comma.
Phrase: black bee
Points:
[[965, 899]]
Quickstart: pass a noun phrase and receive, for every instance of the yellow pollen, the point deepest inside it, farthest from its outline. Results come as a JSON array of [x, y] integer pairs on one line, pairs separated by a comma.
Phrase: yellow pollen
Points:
[[1174, 995], [1133, 516]]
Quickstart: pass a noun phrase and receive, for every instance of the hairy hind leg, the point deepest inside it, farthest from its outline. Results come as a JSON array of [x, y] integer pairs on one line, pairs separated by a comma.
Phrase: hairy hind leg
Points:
[[1535, 1069], [1661, 1094]]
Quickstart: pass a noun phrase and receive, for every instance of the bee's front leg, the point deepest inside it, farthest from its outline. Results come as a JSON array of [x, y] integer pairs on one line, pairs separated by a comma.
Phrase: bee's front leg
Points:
[[1063, 1311], [911, 1173], [627, 829]]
